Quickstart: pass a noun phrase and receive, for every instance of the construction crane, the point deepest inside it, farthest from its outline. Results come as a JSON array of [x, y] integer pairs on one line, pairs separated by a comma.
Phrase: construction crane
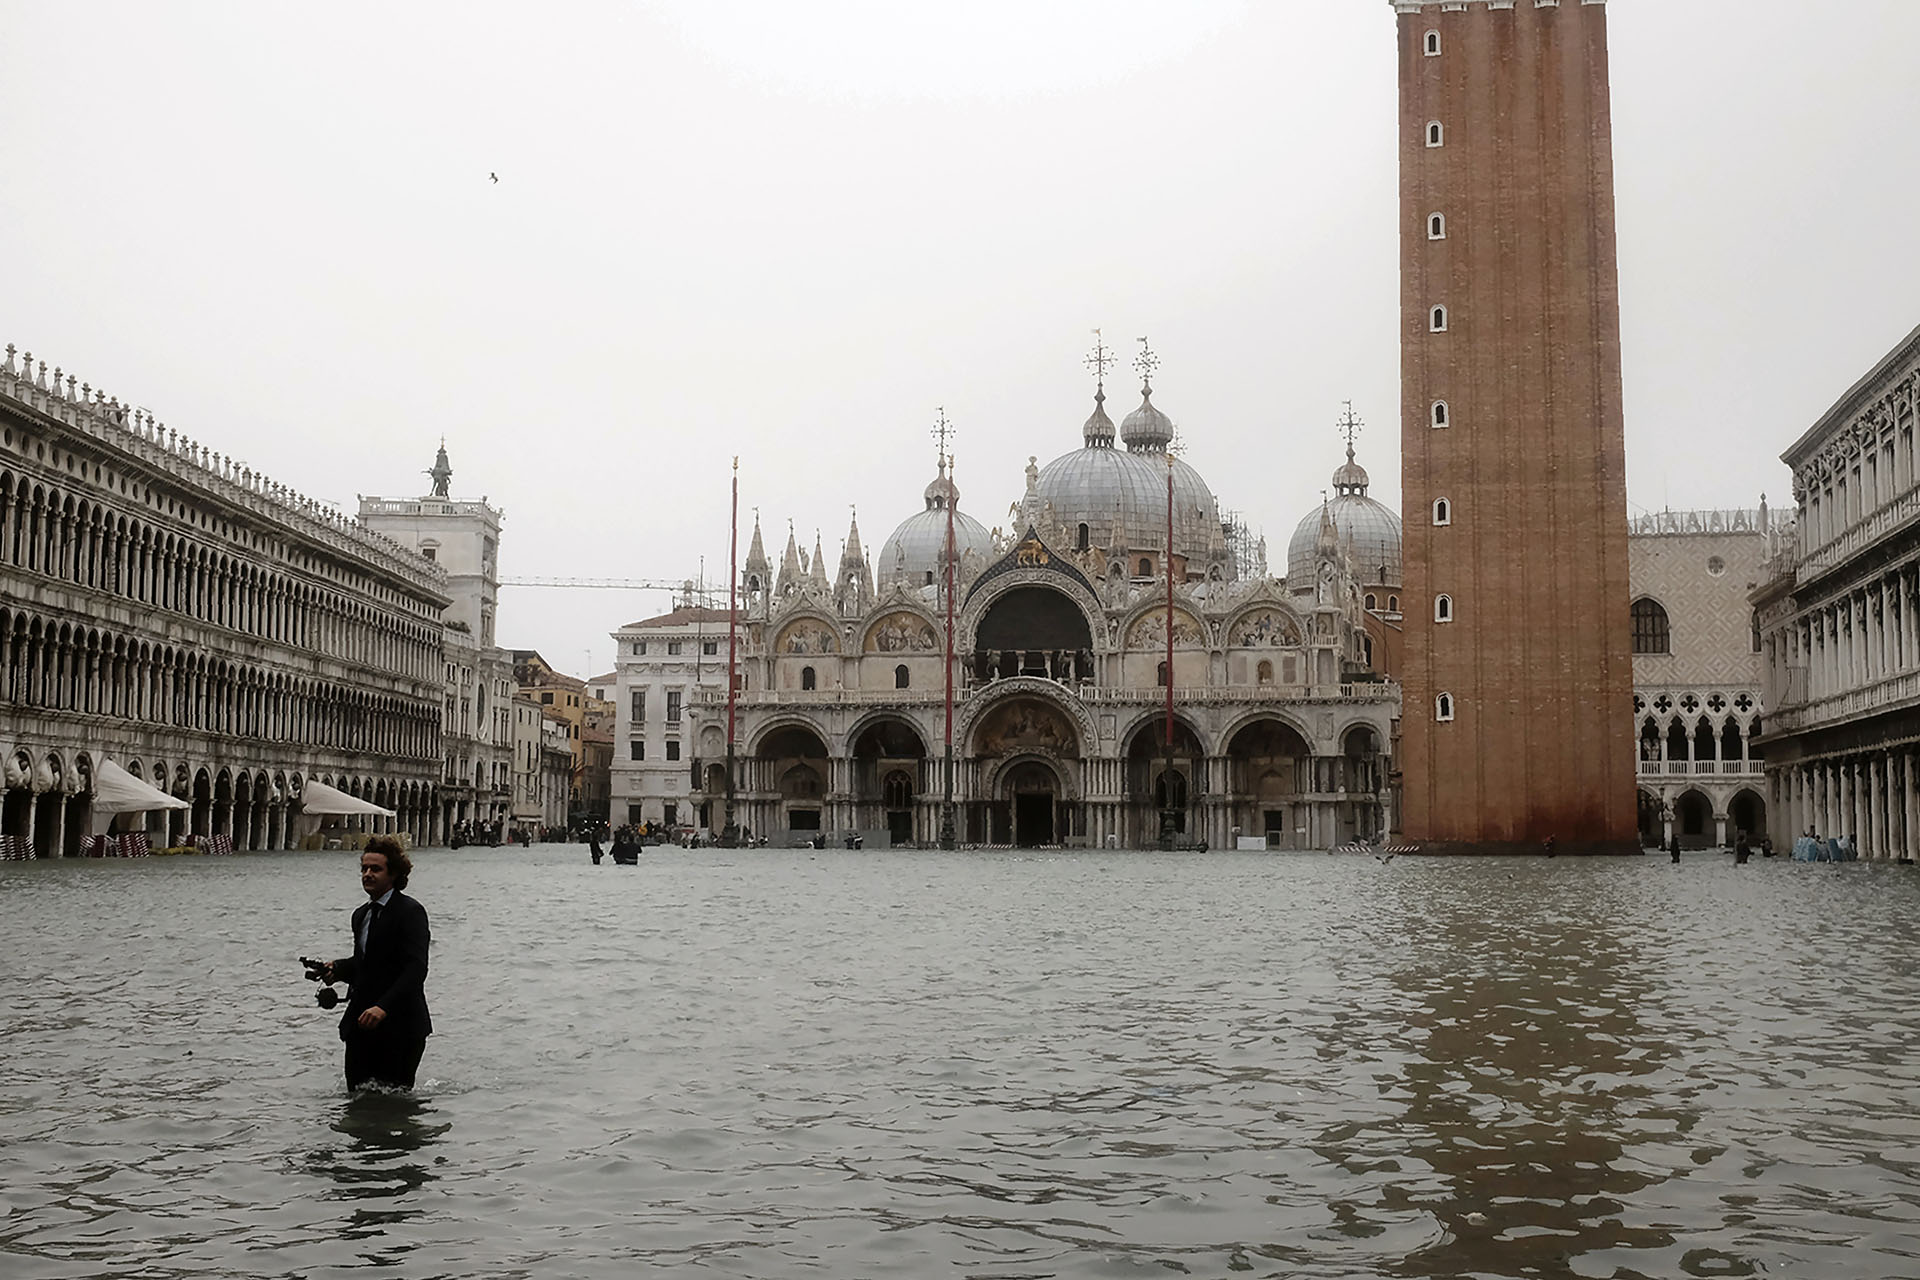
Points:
[[685, 589]]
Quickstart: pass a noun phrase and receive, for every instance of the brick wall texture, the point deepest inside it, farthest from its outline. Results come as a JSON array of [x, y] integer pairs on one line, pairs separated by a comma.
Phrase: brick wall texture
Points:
[[1538, 660]]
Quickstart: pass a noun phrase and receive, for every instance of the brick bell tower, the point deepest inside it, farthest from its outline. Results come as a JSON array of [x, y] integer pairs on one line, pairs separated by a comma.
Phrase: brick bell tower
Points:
[[1518, 715]]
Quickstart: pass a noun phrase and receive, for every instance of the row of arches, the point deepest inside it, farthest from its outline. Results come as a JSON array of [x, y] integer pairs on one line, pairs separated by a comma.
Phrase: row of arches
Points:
[[1683, 744], [78, 540], [1702, 819], [62, 666], [1024, 778], [46, 807]]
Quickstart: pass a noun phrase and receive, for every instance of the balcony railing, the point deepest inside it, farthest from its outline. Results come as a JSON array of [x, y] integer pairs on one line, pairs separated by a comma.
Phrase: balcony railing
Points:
[[1895, 515], [1691, 768], [1891, 692]]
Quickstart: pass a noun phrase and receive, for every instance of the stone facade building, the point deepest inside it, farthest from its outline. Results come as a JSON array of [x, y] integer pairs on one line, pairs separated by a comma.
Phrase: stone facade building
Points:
[[1698, 693], [214, 633], [462, 537], [1059, 646], [663, 665], [1517, 655], [1839, 620]]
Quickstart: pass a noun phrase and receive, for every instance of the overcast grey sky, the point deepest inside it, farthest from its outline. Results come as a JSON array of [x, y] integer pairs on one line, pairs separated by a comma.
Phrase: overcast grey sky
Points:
[[789, 231]]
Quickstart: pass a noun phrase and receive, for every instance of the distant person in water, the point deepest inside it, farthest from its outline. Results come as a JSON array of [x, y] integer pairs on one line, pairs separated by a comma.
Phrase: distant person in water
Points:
[[386, 1024]]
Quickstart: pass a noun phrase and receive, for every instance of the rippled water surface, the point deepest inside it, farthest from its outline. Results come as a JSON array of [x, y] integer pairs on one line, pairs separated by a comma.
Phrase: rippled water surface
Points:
[[974, 1065]]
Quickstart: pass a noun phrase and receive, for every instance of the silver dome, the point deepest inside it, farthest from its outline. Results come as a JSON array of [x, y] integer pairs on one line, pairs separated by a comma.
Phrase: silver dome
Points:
[[1098, 485], [915, 547], [1368, 530]]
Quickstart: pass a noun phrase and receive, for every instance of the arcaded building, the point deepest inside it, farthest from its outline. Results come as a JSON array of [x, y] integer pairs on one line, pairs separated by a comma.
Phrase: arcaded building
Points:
[[1517, 661], [1059, 662], [1699, 700], [212, 632], [1839, 619]]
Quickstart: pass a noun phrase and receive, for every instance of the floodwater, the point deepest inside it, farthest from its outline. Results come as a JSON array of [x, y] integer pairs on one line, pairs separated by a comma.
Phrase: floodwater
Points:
[[788, 1064]]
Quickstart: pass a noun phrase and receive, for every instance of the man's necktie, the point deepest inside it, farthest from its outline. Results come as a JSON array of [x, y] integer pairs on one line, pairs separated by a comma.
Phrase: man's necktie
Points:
[[373, 913]]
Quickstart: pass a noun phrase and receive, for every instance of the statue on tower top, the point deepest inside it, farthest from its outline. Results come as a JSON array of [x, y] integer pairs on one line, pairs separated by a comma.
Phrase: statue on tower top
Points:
[[442, 473]]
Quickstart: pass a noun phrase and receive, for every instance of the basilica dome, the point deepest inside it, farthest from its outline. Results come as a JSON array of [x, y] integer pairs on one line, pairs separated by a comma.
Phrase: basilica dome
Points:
[[1120, 495], [1368, 530], [914, 549]]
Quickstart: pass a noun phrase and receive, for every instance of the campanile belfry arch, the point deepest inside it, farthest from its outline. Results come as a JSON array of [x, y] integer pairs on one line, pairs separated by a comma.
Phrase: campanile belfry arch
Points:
[[1517, 722]]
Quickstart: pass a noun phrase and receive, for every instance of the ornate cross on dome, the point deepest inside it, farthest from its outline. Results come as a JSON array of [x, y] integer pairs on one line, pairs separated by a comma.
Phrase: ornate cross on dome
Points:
[[1349, 426], [942, 432], [1098, 361], [1144, 364]]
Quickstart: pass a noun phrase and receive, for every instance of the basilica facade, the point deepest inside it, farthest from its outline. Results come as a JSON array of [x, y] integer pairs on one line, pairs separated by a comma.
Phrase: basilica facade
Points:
[[1056, 634]]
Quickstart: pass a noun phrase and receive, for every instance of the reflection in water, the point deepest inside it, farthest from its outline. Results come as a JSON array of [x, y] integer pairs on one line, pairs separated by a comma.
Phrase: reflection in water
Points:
[[1527, 1098], [386, 1157]]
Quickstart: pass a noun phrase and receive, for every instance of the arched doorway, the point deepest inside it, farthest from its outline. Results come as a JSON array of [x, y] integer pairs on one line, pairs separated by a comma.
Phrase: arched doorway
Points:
[[792, 762], [1652, 824], [1269, 765], [48, 811], [1693, 820], [1029, 795], [1748, 813], [202, 803], [887, 761], [1148, 780], [1029, 730]]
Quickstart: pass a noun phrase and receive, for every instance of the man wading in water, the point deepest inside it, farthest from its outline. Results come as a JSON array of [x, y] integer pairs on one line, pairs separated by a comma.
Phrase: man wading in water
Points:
[[386, 1024]]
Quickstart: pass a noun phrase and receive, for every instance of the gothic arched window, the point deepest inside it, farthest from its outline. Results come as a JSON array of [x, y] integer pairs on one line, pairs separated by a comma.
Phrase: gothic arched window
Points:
[[1443, 608], [1440, 418], [1443, 707], [1650, 631], [1437, 321]]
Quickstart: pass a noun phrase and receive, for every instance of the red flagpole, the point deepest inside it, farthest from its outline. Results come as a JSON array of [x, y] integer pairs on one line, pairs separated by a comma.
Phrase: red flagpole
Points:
[[730, 833]]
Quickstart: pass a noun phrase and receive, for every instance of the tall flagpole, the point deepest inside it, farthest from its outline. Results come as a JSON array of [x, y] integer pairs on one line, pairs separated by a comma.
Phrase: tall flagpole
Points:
[[730, 832], [949, 837]]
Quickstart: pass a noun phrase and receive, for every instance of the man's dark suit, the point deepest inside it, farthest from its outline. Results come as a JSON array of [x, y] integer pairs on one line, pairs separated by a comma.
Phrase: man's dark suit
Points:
[[391, 972]]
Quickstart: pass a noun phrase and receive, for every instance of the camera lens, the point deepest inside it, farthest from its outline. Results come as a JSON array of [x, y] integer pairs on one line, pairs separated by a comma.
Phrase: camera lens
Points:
[[326, 997]]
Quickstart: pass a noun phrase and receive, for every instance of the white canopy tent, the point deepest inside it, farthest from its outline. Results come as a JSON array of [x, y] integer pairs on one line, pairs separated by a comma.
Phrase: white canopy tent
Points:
[[328, 814], [115, 791], [319, 798]]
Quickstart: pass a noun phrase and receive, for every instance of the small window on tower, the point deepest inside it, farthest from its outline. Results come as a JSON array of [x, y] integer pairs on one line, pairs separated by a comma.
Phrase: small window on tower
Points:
[[1436, 226], [1393, 604], [1371, 602], [1440, 418], [1437, 322], [1433, 44], [1436, 136], [1442, 511], [1443, 707], [1443, 608]]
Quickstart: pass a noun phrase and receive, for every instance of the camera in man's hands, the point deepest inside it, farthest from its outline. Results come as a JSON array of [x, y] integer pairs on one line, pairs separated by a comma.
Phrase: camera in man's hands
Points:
[[326, 997]]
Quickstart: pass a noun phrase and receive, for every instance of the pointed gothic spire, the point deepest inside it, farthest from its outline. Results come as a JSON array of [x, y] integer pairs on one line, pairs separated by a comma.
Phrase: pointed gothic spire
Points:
[[757, 562], [790, 571], [818, 572]]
